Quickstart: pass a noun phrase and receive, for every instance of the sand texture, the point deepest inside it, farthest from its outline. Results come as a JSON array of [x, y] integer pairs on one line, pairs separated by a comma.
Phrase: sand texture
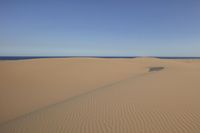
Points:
[[91, 95]]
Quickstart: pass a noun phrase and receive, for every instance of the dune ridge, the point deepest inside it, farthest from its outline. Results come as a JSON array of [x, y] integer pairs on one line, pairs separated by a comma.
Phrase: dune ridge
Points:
[[77, 96], [135, 101]]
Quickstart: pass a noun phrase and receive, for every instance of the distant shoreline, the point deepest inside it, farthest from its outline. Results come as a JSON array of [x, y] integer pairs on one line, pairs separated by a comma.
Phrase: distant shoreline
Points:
[[125, 57]]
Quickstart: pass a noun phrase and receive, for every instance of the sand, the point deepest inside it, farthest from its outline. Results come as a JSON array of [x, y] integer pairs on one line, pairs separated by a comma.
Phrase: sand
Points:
[[91, 95]]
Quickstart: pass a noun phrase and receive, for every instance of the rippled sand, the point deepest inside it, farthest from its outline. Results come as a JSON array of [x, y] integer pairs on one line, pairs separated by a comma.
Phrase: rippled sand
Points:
[[91, 95]]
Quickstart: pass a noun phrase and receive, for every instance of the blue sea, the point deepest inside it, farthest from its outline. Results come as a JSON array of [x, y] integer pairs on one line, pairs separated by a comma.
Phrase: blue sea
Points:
[[40, 57]]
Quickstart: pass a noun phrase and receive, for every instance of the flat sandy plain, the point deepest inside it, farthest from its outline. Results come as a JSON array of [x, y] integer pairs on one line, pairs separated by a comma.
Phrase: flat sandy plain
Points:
[[96, 95]]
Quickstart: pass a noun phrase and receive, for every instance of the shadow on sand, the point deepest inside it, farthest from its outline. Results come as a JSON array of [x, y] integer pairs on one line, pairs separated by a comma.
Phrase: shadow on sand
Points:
[[153, 69]]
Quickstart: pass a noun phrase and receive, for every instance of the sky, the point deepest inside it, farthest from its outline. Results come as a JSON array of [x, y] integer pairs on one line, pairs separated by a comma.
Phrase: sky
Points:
[[100, 28]]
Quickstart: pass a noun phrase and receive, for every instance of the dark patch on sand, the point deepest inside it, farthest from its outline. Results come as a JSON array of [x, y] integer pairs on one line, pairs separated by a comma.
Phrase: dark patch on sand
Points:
[[152, 69]]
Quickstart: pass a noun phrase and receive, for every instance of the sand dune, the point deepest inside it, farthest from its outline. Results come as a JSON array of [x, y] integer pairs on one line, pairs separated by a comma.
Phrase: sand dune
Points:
[[100, 96]]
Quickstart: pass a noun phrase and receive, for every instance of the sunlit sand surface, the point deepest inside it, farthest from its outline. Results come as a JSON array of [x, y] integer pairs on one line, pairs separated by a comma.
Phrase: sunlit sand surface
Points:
[[91, 95]]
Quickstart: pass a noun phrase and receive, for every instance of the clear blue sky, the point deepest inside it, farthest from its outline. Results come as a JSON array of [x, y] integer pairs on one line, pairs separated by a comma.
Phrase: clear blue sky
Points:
[[100, 28]]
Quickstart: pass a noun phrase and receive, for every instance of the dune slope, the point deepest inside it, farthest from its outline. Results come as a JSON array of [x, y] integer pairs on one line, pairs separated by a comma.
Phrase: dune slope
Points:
[[120, 96]]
